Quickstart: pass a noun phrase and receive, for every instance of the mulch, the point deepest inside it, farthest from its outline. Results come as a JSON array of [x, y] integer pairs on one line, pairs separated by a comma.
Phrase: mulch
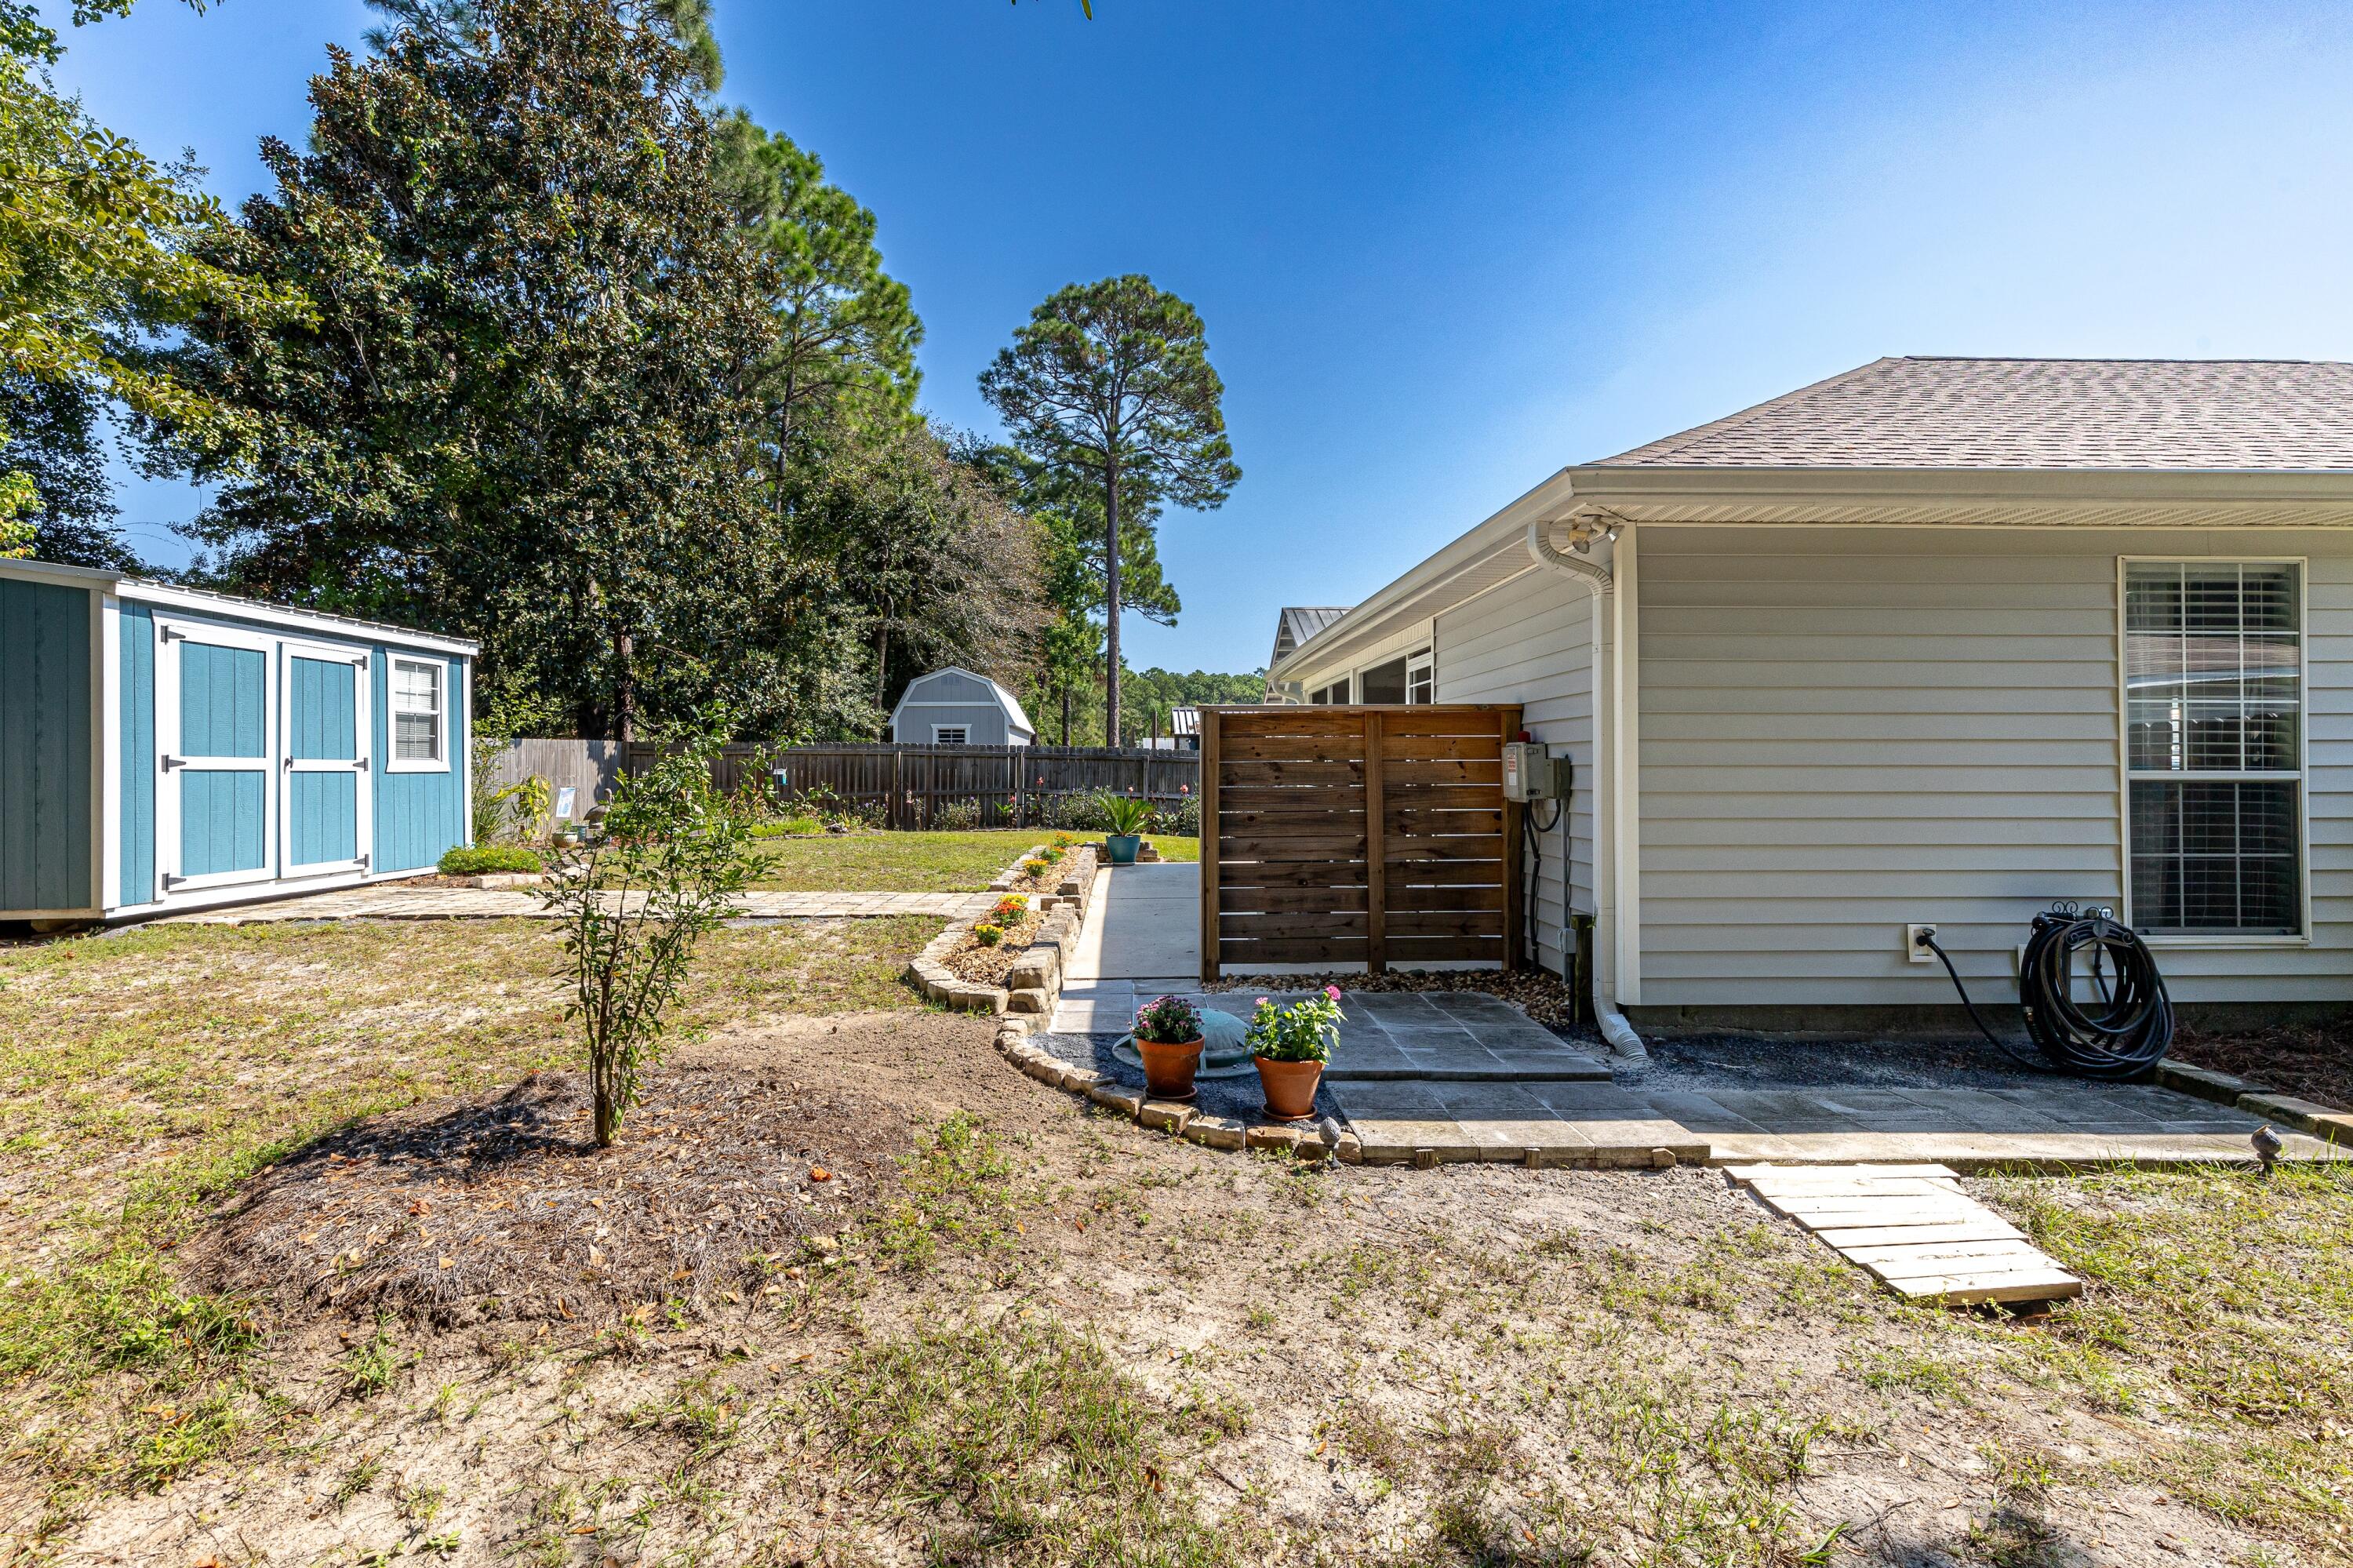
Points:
[[2313, 1062], [503, 1208], [989, 966], [1539, 993]]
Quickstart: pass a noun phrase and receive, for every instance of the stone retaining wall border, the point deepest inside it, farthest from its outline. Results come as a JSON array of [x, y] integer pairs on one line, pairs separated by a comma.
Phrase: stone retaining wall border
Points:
[[1036, 974], [1171, 1116]]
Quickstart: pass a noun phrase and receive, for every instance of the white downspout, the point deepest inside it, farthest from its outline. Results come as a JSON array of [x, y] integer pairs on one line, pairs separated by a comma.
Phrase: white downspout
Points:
[[1597, 582]]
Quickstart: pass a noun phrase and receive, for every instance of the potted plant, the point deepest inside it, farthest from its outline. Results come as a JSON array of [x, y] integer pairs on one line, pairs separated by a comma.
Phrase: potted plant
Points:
[[1126, 817], [1168, 1038], [1291, 1045]]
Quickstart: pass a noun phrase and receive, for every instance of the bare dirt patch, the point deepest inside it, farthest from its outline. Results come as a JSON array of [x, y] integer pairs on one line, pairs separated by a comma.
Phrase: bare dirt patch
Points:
[[728, 1173]]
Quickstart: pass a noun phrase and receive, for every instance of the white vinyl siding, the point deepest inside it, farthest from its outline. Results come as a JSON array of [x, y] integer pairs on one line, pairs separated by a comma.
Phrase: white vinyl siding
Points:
[[1845, 729], [1530, 641]]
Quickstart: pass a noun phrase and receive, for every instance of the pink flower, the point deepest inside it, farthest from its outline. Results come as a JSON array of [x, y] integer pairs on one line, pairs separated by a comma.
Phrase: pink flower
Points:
[[1262, 1001], [1184, 788], [1333, 992]]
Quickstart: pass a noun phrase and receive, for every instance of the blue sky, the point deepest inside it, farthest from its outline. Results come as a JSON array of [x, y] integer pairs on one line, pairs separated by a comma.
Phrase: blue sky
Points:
[[1444, 248]]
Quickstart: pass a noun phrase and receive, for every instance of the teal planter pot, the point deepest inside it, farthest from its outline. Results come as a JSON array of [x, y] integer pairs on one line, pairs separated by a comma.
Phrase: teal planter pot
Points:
[[1122, 847]]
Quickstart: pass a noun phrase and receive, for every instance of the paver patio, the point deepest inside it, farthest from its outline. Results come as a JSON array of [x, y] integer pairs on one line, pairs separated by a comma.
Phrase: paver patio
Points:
[[1444, 1076]]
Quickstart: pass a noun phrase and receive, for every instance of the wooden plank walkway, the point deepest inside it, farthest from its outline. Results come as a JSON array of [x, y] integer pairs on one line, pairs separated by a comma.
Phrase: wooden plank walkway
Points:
[[1913, 1229]]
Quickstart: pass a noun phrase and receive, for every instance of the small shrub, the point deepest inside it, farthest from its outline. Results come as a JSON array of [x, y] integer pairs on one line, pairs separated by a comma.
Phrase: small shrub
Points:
[[473, 860], [987, 933], [1303, 1031], [1036, 868], [685, 852], [788, 828], [1124, 815], [956, 816]]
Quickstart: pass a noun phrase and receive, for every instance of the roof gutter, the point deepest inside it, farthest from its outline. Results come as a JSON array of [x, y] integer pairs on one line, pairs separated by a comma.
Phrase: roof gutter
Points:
[[1598, 583]]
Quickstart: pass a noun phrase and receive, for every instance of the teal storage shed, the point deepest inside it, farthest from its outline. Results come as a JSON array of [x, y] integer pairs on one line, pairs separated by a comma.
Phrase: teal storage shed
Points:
[[165, 748]]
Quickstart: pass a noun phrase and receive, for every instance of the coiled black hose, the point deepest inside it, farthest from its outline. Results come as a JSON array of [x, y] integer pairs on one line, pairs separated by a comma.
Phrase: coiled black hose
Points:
[[2124, 1035]]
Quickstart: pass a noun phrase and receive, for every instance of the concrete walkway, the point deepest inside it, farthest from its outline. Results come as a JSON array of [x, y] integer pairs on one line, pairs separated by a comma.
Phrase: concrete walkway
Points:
[[1145, 924], [391, 901], [1428, 1077]]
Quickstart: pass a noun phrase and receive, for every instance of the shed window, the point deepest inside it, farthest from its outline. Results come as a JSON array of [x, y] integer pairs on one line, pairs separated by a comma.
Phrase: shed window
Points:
[[2214, 739], [951, 735], [419, 716]]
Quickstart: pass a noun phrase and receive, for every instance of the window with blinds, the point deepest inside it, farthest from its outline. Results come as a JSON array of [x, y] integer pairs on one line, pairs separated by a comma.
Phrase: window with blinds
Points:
[[2214, 746]]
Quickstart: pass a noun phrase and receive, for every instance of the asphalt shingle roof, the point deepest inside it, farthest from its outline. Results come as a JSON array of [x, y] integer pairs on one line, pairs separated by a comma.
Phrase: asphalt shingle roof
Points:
[[2230, 415]]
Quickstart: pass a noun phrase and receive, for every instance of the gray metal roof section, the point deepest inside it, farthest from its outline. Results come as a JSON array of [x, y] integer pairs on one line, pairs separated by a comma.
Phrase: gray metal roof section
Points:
[[1304, 620], [2288, 416]]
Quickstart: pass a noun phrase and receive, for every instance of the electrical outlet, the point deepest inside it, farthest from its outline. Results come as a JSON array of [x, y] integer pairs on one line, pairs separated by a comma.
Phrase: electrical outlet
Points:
[[1915, 947]]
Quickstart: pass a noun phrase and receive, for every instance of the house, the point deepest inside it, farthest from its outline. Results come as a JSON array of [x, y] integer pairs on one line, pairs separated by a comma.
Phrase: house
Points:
[[954, 706], [1295, 625], [1934, 640], [163, 748]]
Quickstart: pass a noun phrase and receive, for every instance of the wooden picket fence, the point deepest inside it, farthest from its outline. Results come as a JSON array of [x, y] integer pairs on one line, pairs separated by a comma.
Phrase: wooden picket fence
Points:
[[916, 786], [1372, 835]]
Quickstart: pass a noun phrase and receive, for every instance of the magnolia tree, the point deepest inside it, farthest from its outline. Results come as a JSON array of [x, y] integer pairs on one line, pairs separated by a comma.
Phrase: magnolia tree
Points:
[[674, 854]]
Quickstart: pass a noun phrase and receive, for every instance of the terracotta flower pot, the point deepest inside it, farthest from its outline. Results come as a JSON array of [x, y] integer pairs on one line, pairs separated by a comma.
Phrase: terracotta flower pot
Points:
[[1289, 1087], [1168, 1069]]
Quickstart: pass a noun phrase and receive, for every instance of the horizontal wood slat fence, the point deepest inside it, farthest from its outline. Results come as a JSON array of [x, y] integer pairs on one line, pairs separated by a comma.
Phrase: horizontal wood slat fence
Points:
[[1372, 835], [914, 786]]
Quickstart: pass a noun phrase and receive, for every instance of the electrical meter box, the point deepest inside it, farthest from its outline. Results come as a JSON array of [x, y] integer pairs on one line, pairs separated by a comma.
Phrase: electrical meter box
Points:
[[1530, 775]]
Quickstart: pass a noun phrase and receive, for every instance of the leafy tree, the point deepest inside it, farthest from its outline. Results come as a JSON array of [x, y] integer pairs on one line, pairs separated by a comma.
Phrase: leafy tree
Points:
[[525, 410], [52, 434], [95, 255], [943, 569], [1112, 380]]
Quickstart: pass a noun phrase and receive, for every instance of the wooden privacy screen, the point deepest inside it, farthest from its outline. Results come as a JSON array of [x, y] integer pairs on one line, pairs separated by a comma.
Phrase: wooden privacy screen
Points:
[[1357, 836]]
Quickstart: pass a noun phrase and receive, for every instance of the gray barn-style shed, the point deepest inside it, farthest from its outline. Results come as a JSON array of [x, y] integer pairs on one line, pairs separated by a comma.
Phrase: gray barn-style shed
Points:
[[954, 706]]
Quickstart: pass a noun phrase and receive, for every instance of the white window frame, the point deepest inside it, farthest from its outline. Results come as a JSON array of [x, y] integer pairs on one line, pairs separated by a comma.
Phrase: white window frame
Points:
[[393, 762], [962, 734], [2127, 774], [169, 853], [1344, 684], [1421, 669], [362, 731]]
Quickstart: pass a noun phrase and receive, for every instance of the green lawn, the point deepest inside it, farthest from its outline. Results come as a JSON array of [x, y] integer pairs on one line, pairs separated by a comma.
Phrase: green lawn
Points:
[[911, 863]]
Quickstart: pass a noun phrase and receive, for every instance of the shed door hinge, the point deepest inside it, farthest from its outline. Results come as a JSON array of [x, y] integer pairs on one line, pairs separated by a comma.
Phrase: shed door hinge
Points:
[[170, 882], [171, 762]]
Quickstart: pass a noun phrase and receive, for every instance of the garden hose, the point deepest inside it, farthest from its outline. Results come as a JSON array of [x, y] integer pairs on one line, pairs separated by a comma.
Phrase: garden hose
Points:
[[2124, 1035]]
